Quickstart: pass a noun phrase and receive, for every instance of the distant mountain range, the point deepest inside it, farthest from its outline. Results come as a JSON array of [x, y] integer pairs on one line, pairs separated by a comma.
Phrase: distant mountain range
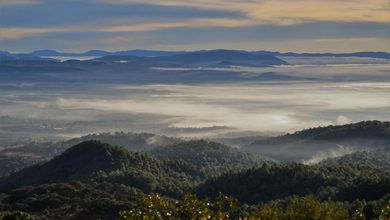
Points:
[[141, 69], [95, 53], [140, 58], [160, 53], [202, 58]]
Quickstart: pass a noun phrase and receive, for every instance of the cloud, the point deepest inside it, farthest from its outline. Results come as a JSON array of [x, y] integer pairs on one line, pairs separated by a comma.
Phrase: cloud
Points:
[[284, 12], [193, 114], [332, 153], [265, 107], [183, 24], [17, 33], [241, 107], [341, 120], [17, 2]]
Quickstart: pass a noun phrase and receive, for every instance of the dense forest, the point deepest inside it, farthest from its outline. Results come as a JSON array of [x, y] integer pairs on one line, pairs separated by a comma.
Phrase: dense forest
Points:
[[306, 144], [195, 180], [15, 158]]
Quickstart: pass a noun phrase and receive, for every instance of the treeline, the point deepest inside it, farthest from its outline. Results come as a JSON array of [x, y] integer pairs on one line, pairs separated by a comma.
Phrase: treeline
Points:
[[364, 129]]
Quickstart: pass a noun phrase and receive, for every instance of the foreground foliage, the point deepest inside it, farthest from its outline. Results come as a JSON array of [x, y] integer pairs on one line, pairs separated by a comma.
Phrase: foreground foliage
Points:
[[297, 208], [15, 215]]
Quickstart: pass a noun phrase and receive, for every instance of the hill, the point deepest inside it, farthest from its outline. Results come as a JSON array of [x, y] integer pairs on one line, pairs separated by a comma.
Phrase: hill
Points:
[[100, 53], [380, 159], [215, 157], [156, 53], [215, 57], [14, 159], [319, 143], [279, 181], [93, 161], [201, 58]]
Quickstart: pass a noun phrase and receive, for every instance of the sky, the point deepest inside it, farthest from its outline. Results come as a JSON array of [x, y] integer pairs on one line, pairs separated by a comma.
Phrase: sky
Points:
[[277, 25]]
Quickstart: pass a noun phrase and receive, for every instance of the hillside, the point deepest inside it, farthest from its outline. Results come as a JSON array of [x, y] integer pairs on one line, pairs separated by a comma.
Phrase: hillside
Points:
[[93, 161], [319, 143], [380, 159], [279, 181], [13, 159], [216, 157]]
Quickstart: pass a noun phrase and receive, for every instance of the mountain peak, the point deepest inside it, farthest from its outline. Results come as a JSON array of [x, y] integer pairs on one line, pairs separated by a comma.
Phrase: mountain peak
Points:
[[98, 155], [77, 163], [45, 53]]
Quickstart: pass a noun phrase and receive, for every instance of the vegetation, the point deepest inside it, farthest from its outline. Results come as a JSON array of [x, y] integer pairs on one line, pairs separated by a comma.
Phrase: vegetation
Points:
[[213, 157], [195, 180], [297, 208], [15, 215], [280, 181], [15, 158], [380, 159], [365, 129], [69, 199], [310, 143], [93, 162]]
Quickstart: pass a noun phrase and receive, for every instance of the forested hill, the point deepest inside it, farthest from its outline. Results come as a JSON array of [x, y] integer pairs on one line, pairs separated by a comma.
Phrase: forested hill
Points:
[[93, 161], [380, 159], [305, 144], [278, 181], [16, 158], [216, 157], [364, 129]]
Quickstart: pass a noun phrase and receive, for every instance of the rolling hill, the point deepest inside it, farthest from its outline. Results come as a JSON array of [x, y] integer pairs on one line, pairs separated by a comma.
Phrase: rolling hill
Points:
[[320, 143], [216, 158], [378, 158], [93, 161], [279, 181], [16, 158]]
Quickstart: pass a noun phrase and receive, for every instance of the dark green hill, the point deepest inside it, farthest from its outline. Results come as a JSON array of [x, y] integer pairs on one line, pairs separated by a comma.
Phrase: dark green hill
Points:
[[14, 159], [346, 182], [380, 159], [364, 129], [214, 156], [314, 142], [77, 163], [93, 161]]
